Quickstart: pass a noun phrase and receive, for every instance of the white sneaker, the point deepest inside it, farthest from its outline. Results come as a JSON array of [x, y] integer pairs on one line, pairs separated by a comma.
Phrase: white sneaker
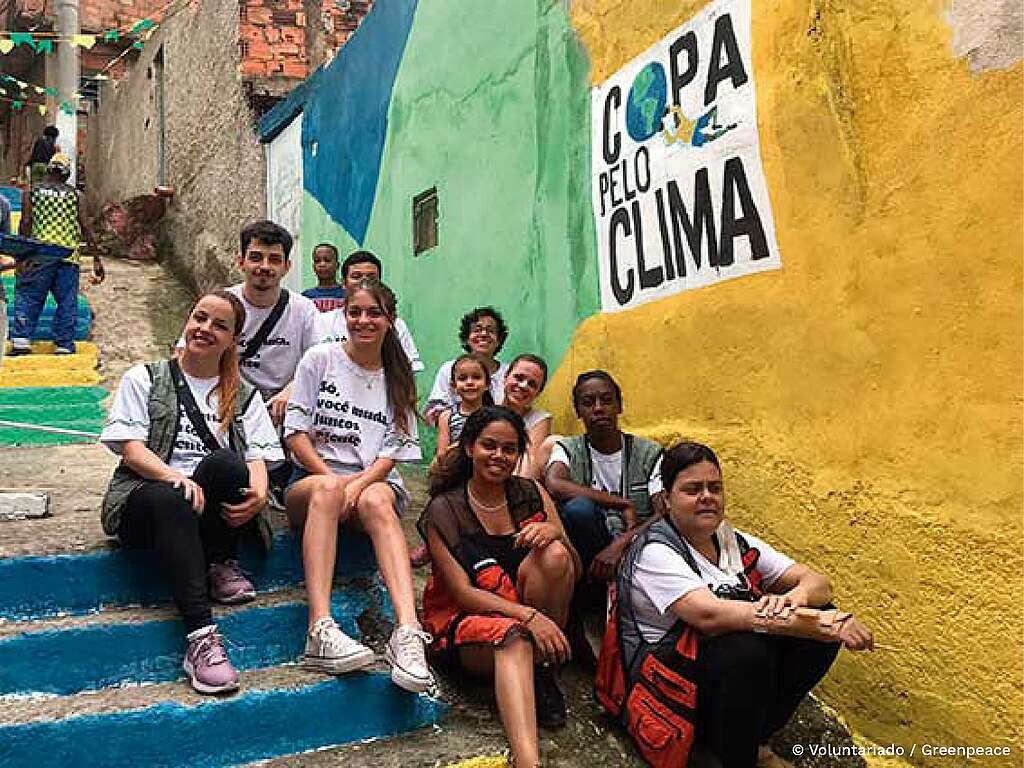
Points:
[[406, 653], [330, 650]]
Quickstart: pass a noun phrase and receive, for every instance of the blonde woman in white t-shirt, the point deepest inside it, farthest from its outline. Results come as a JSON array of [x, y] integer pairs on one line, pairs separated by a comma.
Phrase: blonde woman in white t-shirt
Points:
[[193, 441], [350, 419]]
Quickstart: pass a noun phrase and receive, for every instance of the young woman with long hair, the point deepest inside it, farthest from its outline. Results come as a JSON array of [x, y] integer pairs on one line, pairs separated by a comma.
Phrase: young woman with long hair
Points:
[[193, 439], [350, 420], [503, 573]]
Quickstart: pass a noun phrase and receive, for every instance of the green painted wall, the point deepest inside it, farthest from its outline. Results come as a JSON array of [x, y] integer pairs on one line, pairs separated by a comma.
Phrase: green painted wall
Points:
[[496, 120]]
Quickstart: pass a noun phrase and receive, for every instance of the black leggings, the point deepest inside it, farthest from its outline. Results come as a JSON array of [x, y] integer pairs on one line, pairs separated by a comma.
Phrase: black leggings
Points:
[[159, 518], [748, 687]]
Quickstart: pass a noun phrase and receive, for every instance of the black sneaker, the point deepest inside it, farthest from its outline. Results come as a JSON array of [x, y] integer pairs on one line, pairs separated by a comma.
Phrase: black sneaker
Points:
[[548, 697], [582, 651]]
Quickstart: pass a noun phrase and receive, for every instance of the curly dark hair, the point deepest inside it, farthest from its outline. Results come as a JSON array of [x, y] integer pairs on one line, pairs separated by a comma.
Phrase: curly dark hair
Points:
[[472, 317]]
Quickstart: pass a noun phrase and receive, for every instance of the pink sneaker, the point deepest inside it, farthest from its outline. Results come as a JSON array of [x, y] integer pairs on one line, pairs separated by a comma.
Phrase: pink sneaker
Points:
[[228, 585], [207, 665]]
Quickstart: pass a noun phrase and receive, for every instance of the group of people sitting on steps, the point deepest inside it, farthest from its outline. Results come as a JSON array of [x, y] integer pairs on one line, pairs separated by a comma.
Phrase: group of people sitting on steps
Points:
[[712, 635]]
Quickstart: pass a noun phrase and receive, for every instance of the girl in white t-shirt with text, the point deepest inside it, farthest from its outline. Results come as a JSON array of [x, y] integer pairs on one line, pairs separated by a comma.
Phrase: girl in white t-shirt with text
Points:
[[350, 420]]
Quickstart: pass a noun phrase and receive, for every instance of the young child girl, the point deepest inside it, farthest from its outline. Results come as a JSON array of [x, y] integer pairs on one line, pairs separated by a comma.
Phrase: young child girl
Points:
[[472, 382], [350, 419]]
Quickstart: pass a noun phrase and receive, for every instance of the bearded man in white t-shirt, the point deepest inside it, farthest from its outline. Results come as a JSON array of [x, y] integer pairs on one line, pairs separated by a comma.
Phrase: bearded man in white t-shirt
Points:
[[270, 365]]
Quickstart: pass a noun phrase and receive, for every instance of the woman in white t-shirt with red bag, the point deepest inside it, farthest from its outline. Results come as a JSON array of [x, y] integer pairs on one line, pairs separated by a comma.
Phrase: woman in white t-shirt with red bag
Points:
[[350, 420]]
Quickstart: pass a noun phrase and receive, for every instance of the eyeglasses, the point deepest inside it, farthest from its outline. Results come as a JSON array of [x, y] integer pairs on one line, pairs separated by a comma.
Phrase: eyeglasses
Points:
[[490, 330], [697, 487]]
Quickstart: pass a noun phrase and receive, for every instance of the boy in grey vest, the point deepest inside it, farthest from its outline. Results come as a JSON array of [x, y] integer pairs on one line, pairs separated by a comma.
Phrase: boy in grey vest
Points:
[[607, 483]]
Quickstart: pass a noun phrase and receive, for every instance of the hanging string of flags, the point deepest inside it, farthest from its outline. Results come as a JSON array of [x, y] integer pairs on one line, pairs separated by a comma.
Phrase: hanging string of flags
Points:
[[43, 42], [137, 33]]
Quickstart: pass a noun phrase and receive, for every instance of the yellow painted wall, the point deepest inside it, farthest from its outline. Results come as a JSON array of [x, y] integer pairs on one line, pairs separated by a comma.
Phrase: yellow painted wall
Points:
[[866, 399]]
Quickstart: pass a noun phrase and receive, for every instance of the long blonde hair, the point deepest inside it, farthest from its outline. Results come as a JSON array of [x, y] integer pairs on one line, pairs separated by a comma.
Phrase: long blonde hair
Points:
[[228, 377]]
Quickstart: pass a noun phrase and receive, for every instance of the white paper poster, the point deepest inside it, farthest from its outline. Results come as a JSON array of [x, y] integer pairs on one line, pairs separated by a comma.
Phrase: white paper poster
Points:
[[679, 194]]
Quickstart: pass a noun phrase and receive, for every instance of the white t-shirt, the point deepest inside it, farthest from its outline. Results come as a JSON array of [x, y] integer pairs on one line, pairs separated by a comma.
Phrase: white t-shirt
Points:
[[331, 326], [534, 417], [662, 577], [129, 420], [345, 411], [607, 470], [443, 394], [274, 363]]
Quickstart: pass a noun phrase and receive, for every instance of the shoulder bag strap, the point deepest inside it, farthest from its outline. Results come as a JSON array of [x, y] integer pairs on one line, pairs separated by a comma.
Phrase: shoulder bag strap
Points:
[[188, 401], [253, 344]]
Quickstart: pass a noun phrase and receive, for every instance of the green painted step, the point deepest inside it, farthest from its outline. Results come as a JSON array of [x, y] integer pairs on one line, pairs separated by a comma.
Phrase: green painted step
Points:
[[47, 414], [32, 396], [75, 408]]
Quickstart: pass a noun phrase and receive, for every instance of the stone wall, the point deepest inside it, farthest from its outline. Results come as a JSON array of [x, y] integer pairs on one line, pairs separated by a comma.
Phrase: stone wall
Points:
[[212, 157]]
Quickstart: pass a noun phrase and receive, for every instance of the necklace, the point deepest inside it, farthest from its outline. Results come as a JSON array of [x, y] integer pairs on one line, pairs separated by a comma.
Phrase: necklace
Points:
[[486, 507], [361, 374]]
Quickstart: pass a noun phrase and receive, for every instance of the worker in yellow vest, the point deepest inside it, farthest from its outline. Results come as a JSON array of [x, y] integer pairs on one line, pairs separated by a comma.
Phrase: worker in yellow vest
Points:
[[51, 211]]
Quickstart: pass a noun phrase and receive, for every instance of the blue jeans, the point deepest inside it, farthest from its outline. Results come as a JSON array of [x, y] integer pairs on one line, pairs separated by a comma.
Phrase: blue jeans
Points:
[[585, 526], [31, 288]]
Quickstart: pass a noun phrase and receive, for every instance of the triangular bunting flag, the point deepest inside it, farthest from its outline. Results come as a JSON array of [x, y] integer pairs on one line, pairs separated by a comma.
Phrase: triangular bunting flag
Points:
[[111, 36], [67, 108], [17, 104], [6, 46], [42, 109], [50, 91], [84, 41], [39, 89], [22, 38], [44, 46], [138, 45]]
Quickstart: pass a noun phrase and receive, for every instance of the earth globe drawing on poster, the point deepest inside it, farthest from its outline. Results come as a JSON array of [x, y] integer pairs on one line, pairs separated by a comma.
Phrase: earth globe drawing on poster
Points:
[[646, 104]]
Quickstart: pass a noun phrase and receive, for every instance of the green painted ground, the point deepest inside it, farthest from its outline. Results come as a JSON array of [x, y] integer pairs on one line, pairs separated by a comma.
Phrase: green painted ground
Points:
[[76, 408]]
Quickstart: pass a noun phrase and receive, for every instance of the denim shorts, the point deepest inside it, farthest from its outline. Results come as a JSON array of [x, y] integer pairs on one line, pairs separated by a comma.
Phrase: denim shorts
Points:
[[401, 494]]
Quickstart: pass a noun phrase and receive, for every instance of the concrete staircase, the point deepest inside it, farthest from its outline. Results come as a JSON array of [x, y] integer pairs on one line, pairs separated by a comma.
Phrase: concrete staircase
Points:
[[90, 650], [90, 665]]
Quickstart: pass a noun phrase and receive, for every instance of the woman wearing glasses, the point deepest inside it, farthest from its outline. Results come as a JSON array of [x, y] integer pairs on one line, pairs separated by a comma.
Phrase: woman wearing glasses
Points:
[[716, 634], [482, 331]]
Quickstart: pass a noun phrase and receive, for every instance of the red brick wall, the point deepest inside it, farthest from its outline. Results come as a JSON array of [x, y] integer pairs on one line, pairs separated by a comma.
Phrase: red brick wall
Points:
[[95, 15], [275, 34]]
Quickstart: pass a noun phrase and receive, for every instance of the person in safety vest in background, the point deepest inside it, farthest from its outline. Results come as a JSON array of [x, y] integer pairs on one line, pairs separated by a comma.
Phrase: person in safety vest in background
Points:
[[52, 212]]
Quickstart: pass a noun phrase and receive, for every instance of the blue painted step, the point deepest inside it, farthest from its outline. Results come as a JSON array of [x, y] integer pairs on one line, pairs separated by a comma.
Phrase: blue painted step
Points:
[[97, 656], [39, 586], [254, 725]]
